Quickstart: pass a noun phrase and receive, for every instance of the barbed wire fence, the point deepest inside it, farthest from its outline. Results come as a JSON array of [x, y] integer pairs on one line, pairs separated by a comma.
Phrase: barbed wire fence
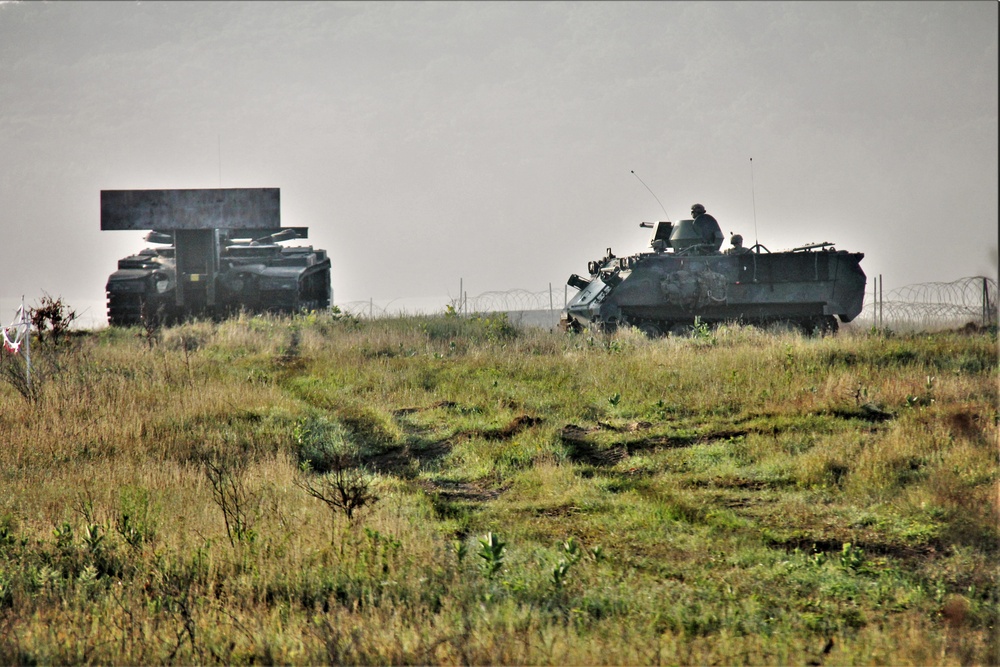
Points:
[[512, 301], [366, 310], [919, 307], [515, 300], [932, 306]]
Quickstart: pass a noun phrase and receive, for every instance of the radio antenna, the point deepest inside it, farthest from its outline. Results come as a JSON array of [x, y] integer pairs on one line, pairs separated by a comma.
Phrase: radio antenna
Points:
[[654, 195], [753, 195]]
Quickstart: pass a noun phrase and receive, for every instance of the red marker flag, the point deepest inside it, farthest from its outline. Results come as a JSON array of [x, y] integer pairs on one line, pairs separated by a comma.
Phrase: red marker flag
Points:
[[14, 334]]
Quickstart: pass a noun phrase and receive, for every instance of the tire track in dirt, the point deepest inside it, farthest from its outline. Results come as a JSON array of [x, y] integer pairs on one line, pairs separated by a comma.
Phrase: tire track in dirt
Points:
[[422, 448]]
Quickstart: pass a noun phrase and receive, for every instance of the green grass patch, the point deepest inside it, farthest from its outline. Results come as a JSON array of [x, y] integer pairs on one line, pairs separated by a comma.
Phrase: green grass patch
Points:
[[743, 497]]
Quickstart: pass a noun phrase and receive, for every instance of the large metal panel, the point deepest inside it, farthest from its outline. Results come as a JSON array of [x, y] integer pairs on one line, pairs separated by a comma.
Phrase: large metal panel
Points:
[[223, 208]]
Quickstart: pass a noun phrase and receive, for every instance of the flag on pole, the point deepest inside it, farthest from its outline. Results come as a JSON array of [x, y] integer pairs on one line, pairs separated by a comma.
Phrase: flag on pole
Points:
[[15, 334]]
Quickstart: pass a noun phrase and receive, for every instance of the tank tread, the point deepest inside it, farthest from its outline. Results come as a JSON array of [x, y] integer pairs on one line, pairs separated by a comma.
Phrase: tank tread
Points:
[[825, 325], [125, 310]]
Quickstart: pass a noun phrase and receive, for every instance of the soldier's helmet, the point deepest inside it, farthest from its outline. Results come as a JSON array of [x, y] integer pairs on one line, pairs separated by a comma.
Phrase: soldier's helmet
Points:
[[697, 209], [737, 239]]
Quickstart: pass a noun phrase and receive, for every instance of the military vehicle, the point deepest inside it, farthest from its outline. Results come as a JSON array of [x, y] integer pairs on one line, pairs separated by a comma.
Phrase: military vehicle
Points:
[[685, 282], [218, 252]]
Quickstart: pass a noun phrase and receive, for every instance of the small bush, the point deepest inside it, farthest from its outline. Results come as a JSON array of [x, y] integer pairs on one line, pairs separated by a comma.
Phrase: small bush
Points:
[[52, 319]]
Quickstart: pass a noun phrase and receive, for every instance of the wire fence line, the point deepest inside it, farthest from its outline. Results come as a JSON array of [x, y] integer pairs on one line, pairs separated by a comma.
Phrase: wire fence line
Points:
[[929, 306], [918, 307], [514, 300], [501, 301], [367, 310]]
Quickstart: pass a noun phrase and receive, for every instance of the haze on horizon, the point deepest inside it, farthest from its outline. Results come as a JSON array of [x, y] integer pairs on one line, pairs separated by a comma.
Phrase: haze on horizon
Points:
[[493, 143]]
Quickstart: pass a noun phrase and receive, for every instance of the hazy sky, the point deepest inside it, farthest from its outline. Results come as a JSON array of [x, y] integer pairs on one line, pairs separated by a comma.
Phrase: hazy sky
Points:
[[428, 143]]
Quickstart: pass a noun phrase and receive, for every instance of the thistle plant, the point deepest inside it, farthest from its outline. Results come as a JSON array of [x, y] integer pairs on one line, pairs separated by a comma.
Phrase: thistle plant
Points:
[[851, 557], [93, 538], [461, 550], [571, 556], [491, 549]]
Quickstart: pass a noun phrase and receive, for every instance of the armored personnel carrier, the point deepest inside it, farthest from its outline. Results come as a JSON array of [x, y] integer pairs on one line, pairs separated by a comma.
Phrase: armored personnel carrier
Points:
[[685, 280], [218, 251]]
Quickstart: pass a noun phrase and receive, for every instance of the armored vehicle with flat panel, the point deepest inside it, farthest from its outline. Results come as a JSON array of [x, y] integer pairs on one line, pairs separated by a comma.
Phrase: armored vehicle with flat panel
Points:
[[686, 281], [218, 251]]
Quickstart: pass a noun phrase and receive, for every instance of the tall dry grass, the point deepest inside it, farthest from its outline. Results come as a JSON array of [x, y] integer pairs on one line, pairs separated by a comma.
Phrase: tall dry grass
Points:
[[739, 496]]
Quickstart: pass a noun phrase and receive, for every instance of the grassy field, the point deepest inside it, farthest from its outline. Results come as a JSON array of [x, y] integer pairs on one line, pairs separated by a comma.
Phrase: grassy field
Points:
[[448, 490]]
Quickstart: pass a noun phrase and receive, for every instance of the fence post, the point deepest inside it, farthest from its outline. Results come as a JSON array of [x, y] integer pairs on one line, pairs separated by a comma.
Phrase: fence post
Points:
[[881, 303], [986, 302], [875, 302], [27, 347]]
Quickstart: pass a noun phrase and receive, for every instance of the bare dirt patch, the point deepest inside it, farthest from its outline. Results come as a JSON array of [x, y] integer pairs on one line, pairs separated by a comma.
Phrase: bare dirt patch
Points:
[[583, 450], [456, 491], [517, 425]]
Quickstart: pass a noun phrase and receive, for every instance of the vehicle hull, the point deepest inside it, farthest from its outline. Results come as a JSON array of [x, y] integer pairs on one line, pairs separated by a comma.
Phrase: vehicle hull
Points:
[[146, 287], [662, 292]]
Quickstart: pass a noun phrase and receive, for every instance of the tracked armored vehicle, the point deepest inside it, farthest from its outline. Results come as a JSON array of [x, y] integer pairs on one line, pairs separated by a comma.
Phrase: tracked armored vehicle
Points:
[[218, 252], [685, 280]]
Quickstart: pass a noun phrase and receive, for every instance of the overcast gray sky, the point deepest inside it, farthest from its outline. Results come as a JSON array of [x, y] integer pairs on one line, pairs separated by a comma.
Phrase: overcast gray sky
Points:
[[428, 143]]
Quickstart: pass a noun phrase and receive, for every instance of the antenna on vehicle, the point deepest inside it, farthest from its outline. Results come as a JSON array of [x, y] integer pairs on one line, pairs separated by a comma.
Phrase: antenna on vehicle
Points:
[[754, 198], [654, 195]]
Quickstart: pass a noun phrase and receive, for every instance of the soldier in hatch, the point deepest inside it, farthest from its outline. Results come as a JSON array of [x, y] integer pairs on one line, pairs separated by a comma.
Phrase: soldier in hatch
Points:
[[737, 241], [708, 227]]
